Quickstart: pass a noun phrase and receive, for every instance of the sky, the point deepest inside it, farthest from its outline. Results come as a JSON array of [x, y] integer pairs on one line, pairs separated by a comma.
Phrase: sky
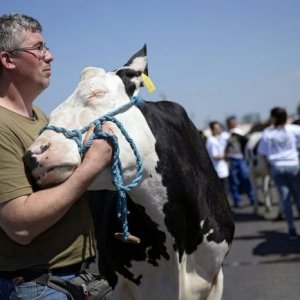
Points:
[[215, 57]]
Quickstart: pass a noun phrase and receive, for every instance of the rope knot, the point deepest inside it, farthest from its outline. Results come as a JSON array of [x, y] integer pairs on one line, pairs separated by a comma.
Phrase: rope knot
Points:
[[139, 101]]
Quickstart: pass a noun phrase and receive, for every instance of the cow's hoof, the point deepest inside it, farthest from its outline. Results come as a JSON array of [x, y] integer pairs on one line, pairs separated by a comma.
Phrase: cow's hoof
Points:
[[268, 209], [131, 238]]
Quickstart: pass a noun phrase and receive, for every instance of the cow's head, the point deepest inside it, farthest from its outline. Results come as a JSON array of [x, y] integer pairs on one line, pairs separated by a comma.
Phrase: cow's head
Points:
[[52, 158]]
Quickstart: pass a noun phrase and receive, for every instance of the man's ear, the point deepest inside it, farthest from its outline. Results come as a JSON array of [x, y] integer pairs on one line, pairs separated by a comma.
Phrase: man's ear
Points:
[[6, 61], [131, 72]]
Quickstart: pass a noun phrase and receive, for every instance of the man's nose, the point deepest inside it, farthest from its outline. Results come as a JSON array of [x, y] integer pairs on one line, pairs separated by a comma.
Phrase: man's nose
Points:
[[48, 56]]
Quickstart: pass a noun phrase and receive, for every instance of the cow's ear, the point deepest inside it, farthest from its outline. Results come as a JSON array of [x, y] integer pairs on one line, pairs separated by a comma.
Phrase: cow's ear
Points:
[[131, 72], [138, 61]]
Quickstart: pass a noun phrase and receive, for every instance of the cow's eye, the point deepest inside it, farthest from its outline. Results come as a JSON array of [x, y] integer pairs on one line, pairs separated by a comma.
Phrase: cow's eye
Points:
[[96, 94], [94, 97]]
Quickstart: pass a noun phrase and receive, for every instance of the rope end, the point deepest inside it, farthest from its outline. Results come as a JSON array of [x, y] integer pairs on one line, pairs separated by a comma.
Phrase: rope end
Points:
[[130, 239]]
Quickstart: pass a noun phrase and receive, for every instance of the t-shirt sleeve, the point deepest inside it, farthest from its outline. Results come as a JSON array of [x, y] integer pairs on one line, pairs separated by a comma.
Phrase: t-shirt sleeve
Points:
[[263, 146], [212, 148], [297, 135], [13, 179]]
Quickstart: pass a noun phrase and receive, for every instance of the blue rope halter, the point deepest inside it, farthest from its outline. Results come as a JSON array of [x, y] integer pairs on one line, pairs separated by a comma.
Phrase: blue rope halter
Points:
[[117, 173]]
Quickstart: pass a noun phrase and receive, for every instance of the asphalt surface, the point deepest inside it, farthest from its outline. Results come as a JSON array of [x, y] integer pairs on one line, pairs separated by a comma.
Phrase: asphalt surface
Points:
[[263, 264]]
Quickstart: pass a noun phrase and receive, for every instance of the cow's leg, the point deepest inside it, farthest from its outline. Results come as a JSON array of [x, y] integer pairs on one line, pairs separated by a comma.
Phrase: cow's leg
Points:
[[217, 287], [254, 184], [267, 192]]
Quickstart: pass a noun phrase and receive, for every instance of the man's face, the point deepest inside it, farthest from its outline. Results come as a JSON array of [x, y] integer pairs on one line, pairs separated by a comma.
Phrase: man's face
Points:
[[216, 130], [33, 66], [232, 123]]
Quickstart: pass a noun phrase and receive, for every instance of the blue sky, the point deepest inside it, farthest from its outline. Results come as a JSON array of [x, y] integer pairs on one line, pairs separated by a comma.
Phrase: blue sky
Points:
[[214, 57]]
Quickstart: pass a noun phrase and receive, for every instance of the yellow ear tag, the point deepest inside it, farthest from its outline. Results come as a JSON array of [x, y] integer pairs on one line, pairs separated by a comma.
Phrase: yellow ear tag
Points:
[[148, 83]]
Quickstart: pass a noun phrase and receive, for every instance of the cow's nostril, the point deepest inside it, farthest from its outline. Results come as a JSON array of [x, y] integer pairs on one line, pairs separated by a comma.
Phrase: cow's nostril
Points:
[[44, 148], [29, 161]]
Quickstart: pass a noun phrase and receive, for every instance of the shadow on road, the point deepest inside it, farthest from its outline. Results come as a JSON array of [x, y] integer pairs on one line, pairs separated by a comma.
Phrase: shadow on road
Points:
[[276, 243], [247, 217], [263, 264], [269, 239]]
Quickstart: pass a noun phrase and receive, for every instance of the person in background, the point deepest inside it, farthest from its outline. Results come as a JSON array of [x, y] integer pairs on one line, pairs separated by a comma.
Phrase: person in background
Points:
[[46, 231], [279, 145], [238, 169], [215, 146]]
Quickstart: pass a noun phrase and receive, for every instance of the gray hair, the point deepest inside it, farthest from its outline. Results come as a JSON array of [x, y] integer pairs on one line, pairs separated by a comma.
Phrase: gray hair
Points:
[[12, 27]]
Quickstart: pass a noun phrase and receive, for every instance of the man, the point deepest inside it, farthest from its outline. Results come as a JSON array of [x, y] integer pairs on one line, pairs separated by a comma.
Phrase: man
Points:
[[238, 170], [279, 144], [215, 146], [40, 230]]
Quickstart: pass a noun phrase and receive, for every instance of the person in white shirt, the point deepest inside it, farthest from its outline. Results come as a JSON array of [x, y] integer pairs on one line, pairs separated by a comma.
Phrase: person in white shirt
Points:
[[215, 146], [279, 145]]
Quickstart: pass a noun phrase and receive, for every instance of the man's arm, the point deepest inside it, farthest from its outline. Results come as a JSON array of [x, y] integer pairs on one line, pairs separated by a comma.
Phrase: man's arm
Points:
[[25, 217]]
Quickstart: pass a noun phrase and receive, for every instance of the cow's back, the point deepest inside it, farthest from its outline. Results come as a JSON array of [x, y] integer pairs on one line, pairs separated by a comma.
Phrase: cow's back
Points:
[[194, 189]]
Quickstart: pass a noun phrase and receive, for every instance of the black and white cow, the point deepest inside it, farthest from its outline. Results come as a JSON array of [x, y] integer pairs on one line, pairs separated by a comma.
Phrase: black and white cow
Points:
[[179, 209], [259, 172]]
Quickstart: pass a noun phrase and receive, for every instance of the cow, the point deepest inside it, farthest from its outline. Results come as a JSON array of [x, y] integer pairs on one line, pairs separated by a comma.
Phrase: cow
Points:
[[178, 210], [259, 172]]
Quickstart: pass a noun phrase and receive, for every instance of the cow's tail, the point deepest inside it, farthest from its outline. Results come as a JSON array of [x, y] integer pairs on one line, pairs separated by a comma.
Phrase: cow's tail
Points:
[[217, 287]]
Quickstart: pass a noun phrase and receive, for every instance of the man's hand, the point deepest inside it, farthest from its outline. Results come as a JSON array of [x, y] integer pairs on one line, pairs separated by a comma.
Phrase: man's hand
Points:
[[99, 155]]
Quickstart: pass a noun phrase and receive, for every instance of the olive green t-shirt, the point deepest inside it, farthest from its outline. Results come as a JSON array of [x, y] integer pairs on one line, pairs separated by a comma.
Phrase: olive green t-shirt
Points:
[[67, 242]]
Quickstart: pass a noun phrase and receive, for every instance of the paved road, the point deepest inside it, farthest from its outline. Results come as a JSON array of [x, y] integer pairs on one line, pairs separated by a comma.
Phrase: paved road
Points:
[[263, 263]]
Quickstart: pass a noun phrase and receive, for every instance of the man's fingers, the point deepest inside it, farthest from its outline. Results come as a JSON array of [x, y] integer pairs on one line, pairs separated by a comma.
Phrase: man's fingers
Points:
[[105, 128], [88, 134]]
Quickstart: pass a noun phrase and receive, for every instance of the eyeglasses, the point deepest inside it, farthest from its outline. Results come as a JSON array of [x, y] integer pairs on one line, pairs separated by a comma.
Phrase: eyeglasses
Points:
[[40, 48]]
